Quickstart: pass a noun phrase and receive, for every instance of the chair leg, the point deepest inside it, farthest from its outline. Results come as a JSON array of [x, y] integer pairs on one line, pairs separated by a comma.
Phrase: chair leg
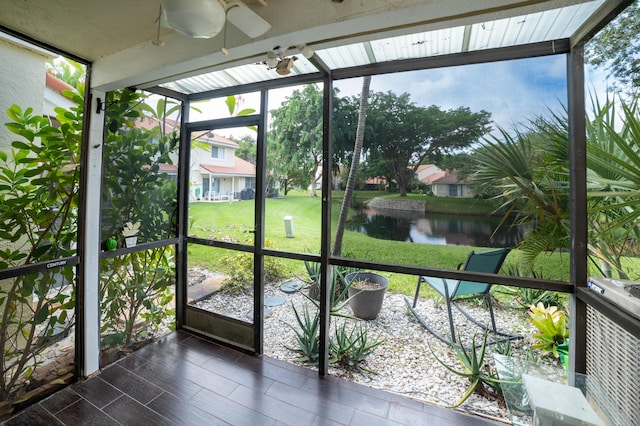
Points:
[[450, 314], [415, 298], [493, 318]]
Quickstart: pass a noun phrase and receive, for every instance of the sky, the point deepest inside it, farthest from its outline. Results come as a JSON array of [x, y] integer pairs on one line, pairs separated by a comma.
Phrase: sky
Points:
[[512, 91]]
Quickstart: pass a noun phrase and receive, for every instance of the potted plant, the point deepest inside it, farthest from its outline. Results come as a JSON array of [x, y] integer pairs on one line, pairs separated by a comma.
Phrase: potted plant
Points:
[[130, 233], [366, 293], [553, 331]]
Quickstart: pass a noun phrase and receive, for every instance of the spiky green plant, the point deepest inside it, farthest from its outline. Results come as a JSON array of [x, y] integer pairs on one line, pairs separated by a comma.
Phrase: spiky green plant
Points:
[[306, 336], [349, 348], [474, 368]]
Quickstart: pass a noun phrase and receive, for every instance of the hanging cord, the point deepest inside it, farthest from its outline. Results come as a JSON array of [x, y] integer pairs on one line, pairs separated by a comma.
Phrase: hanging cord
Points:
[[157, 41], [224, 50]]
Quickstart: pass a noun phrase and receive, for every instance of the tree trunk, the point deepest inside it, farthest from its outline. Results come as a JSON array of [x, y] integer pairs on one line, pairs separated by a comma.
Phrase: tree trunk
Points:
[[353, 171]]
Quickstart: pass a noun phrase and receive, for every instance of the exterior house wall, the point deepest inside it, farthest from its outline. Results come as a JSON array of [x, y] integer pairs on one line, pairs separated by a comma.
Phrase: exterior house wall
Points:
[[219, 178], [444, 190], [22, 70]]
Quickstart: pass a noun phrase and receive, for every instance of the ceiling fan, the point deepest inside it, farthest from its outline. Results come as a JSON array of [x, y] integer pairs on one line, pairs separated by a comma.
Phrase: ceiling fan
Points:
[[206, 18]]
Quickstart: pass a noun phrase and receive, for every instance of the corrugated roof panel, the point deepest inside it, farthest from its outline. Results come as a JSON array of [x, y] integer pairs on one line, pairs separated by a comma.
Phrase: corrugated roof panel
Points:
[[345, 56], [531, 28], [243, 74]]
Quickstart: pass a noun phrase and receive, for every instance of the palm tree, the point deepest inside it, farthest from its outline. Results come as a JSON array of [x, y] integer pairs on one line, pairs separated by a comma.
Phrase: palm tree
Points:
[[353, 171], [530, 170]]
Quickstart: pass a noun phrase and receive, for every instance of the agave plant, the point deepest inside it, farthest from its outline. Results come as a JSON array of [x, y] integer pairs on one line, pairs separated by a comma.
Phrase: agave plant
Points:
[[306, 336], [474, 368]]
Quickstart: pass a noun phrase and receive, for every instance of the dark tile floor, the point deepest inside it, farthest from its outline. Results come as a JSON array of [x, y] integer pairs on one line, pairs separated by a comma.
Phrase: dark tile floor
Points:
[[183, 380]]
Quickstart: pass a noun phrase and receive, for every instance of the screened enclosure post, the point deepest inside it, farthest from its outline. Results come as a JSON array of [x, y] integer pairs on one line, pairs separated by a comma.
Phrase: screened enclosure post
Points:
[[325, 243], [183, 216], [578, 205], [90, 251], [259, 213]]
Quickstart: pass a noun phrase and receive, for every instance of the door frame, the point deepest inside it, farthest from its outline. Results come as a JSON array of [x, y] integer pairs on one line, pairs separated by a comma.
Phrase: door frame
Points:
[[234, 332]]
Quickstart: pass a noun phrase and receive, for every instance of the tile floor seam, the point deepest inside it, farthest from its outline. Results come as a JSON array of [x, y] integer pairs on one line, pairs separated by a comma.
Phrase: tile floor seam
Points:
[[88, 402]]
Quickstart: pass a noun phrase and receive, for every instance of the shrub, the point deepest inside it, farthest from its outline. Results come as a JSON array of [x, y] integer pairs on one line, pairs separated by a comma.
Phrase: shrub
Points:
[[241, 274]]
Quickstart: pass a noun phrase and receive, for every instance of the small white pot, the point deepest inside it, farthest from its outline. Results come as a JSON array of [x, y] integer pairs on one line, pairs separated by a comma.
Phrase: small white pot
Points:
[[131, 241]]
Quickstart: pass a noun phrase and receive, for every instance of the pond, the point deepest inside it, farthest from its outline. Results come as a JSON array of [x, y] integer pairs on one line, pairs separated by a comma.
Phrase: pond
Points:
[[432, 228]]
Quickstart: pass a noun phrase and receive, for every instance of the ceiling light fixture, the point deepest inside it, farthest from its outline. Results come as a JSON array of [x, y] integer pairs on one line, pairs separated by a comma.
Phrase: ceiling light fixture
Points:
[[277, 60], [194, 18], [307, 52], [206, 18]]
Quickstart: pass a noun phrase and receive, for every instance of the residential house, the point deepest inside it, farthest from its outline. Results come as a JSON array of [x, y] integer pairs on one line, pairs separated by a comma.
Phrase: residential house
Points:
[[217, 173], [427, 173], [450, 185]]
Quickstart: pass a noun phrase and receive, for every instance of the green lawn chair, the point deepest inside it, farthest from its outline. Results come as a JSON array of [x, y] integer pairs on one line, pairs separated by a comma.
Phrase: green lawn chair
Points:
[[454, 291]]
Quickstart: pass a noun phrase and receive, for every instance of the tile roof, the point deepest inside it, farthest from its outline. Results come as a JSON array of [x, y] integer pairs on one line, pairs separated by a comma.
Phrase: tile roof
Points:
[[240, 168]]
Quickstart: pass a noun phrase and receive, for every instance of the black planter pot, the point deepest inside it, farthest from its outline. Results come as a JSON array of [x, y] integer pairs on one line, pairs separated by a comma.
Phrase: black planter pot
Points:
[[366, 303]]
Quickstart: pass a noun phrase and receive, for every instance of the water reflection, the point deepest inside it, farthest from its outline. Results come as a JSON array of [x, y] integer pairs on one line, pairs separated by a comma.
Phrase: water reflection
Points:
[[430, 228]]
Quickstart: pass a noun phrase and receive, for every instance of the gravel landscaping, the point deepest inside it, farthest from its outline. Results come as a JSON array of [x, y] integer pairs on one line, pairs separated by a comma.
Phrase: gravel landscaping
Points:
[[403, 363]]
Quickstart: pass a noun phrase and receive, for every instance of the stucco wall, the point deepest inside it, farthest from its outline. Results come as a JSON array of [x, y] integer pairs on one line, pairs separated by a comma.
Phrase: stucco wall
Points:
[[22, 76]]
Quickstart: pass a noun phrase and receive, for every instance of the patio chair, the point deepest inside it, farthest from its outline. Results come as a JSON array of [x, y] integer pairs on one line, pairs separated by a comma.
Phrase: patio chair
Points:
[[454, 291]]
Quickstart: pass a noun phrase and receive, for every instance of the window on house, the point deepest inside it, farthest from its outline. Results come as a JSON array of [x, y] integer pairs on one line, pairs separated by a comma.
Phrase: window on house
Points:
[[453, 190], [217, 152]]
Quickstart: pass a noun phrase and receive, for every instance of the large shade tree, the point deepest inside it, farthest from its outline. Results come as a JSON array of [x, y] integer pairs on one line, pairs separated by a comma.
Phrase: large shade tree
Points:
[[297, 133], [404, 134], [616, 49]]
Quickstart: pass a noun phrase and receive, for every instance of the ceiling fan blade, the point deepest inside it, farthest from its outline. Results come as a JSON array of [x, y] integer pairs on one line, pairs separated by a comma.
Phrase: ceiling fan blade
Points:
[[246, 20]]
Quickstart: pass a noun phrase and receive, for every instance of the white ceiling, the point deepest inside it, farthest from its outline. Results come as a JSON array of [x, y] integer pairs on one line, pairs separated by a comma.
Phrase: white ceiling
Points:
[[117, 35]]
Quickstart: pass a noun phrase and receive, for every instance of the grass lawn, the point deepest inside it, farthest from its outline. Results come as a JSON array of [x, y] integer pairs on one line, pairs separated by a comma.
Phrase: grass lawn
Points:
[[234, 222]]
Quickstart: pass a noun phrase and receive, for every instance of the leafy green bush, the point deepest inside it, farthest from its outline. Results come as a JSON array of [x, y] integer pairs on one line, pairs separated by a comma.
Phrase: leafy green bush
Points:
[[241, 274], [39, 184], [136, 288]]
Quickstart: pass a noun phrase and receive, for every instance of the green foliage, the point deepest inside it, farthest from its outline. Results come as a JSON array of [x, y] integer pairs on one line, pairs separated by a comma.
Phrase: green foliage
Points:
[[241, 272], [39, 184], [614, 181], [350, 348], [137, 286], [529, 168], [552, 326], [474, 368], [615, 48], [313, 271], [533, 296], [297, 132], [306, 336], [437, 300], [526, 297], [403, 134]]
